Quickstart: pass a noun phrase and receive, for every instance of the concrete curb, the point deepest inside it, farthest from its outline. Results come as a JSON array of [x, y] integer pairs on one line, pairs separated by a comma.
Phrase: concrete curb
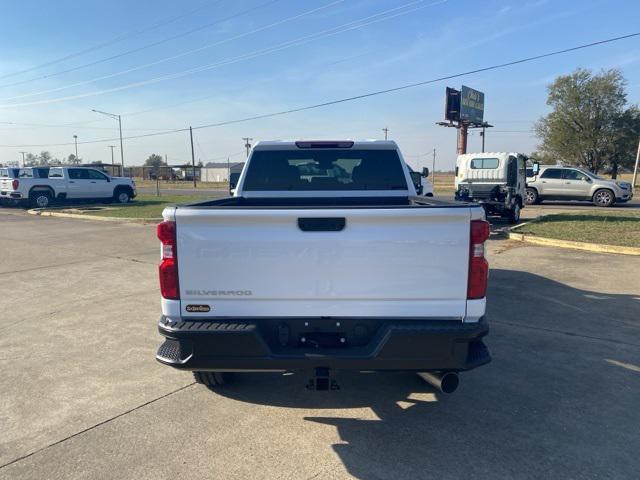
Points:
[[554, 242], [49, 213]]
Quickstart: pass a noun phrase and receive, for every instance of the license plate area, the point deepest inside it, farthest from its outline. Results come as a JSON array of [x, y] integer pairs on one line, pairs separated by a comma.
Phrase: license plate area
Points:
[[322, 340]]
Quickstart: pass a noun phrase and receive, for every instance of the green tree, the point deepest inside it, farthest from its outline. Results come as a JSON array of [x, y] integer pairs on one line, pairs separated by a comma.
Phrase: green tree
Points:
[[73, 160], [45, 158], [584, 123], [154, 160], [625, 143], [543, 158], [30, 160]]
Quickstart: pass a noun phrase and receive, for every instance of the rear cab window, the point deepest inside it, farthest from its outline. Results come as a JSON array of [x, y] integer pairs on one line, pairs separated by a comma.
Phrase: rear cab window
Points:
[[324, 170], [484, 163]]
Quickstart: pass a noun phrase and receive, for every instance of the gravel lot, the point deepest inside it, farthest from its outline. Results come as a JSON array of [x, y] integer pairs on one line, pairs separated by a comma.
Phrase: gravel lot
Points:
[[83, 397]]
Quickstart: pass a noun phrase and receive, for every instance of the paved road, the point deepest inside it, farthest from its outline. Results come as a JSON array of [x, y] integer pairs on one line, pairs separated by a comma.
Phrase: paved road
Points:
[[82, 396], [556, 207]]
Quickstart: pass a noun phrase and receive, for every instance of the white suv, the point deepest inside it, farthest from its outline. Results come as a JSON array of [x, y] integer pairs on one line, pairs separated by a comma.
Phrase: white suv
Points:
[[573, 183]]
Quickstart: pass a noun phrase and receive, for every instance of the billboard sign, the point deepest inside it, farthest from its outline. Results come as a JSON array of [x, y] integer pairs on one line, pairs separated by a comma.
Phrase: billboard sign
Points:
[[471, 105], [452, 105]]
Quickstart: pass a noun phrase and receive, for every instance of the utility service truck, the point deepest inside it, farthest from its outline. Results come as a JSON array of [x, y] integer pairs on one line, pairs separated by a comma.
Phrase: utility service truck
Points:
[[324, 259], [497, 181]]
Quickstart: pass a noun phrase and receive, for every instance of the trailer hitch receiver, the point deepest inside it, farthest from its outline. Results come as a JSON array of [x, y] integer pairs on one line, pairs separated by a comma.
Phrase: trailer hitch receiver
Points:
[[322, 380]]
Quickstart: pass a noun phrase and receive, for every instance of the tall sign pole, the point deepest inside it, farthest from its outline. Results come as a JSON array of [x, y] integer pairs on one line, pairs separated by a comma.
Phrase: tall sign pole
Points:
[[463, 133]]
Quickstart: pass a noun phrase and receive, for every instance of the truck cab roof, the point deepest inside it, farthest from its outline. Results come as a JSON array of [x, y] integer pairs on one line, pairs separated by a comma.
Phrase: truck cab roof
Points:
[[329, 144]]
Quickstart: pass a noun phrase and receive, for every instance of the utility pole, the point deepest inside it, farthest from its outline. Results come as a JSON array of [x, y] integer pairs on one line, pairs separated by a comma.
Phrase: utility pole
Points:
[[26, 152], [635, 169], [121, 150], [247, 144], [119, 118], [193, 158], [112, 147], [386, 132], [75, 138]]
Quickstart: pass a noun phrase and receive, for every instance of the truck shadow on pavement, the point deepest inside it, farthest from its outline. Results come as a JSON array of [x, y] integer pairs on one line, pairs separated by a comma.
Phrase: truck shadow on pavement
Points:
[[559, 399]]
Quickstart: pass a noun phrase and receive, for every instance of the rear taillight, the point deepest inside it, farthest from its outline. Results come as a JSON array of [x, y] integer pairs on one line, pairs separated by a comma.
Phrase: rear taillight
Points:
[[168, 269], [478, 266], [15, 184]]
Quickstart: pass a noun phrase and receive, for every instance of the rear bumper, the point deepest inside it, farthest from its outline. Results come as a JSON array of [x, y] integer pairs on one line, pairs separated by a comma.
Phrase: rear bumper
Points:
[[299, 344], [11, 195]]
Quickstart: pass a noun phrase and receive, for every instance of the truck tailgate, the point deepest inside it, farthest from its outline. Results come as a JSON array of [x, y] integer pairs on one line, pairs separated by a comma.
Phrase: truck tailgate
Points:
[[385, 262]]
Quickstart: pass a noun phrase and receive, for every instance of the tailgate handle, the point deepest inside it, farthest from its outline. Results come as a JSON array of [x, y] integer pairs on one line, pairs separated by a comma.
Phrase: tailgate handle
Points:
[[319, 224]]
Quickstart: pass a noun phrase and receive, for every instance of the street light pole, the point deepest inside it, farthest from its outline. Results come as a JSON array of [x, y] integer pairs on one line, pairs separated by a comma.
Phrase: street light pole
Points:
[[119, 118], [75, 138]]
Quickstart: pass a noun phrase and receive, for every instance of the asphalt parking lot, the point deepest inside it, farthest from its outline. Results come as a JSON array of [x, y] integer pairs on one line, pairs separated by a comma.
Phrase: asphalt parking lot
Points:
[[83, 397]]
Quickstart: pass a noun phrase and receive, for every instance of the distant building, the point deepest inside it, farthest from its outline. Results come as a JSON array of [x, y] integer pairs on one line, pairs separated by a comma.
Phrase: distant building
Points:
[[219, 172]]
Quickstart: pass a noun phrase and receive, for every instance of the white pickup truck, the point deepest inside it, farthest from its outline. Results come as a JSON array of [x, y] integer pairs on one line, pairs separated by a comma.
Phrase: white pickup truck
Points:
[[40, 186], [324, 259]]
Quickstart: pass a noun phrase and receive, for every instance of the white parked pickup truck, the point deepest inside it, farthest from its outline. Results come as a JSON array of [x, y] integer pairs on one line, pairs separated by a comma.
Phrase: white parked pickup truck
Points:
[[324, 259], [40, 186]]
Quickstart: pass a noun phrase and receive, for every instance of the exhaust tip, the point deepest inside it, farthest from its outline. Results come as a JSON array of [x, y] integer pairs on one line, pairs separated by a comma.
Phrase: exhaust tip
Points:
[[449, 382], [446, 382]]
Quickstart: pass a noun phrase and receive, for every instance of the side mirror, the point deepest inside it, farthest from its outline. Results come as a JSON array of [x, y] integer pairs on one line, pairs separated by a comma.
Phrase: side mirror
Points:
[[586, 179], [416, 178], [425, 172], [536, 168]]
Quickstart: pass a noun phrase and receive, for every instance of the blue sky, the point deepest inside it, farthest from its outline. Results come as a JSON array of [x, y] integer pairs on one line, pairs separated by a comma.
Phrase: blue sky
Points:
[[261, 56]]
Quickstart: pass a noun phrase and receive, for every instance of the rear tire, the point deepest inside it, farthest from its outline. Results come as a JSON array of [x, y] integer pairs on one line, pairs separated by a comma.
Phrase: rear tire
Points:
[[603, 198], [531, 196], [212, 380], [40, 199], [513, 216]]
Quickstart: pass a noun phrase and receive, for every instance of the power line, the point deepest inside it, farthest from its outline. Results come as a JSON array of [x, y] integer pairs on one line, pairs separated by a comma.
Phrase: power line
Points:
[[43, 125], [299, 41], [357, 97], [144, 47], [174, 57], [171, 105], [111, 41]]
